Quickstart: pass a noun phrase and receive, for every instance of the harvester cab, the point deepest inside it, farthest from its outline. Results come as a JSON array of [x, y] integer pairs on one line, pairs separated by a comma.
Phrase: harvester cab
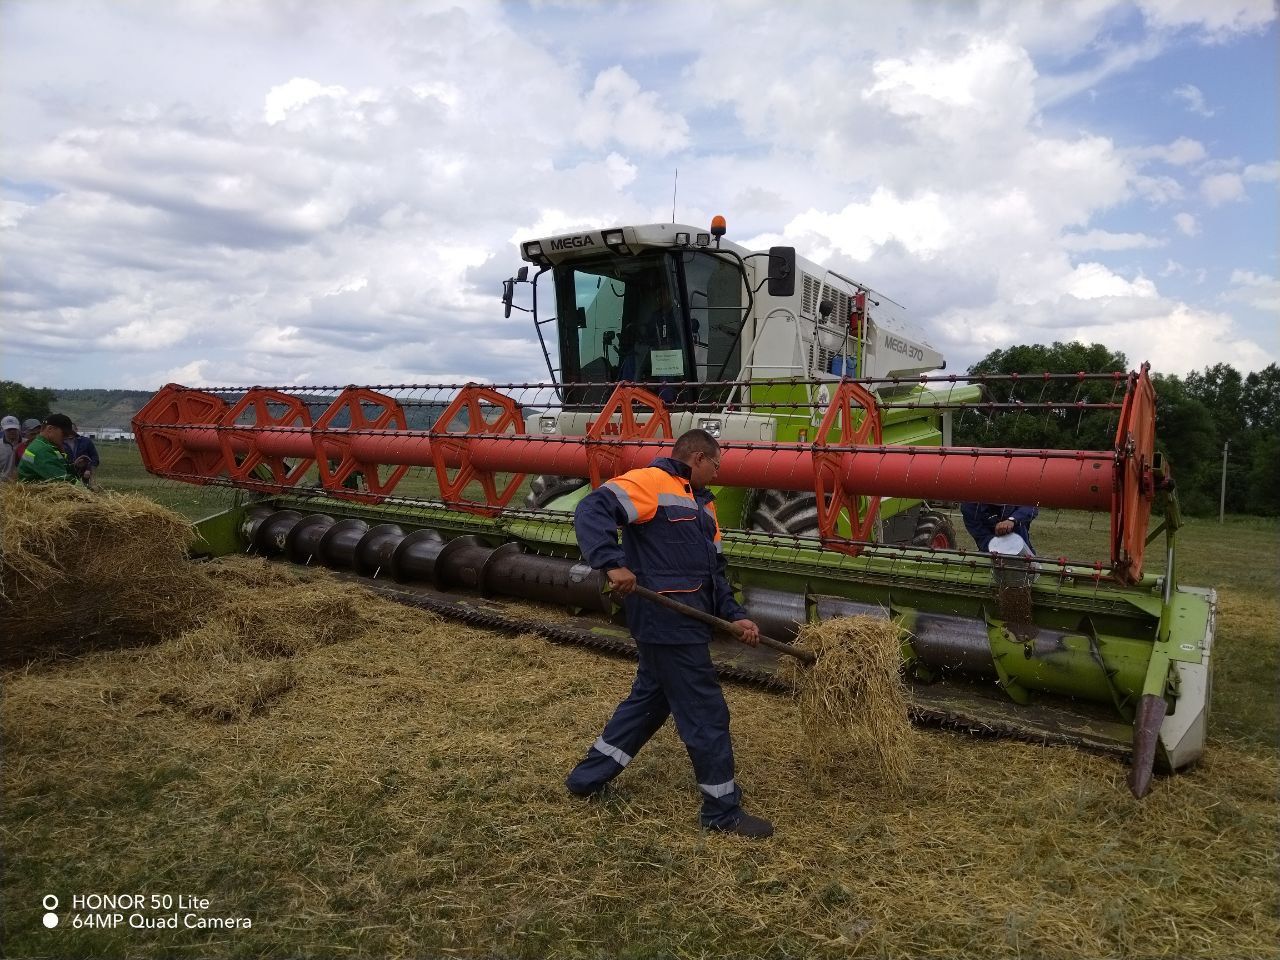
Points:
[[715, 311], [745, 344], [834, 437]]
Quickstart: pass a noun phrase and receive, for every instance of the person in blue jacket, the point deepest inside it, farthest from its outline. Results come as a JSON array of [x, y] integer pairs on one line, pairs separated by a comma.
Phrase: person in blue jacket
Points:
[[670, 544], [987, 520], [82, 454]]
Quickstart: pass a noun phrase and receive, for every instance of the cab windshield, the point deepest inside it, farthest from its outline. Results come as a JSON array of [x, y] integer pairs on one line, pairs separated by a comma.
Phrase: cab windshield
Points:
[[662, 317]]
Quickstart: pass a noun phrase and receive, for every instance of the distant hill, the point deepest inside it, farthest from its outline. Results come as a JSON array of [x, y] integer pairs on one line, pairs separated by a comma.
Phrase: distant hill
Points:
[[93, 410]]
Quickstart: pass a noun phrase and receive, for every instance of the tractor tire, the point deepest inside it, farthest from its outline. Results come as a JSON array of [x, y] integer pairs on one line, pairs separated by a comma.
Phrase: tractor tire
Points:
[[787, 512], [934, 529], [546, 488]]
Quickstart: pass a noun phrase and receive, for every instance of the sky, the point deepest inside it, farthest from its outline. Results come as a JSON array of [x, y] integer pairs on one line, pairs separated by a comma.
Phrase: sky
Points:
[[231, 192]]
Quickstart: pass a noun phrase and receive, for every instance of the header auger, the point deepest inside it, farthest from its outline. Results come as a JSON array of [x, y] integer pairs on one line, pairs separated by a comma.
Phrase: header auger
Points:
[[837, 459]]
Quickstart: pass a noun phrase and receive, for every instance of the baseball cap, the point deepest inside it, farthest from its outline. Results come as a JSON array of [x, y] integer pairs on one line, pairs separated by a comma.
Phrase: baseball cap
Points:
[[30, 424], [10, 423], [62, 422]]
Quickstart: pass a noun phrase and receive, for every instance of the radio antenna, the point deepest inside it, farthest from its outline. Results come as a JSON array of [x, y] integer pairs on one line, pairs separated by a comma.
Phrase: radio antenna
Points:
[[675, 185]]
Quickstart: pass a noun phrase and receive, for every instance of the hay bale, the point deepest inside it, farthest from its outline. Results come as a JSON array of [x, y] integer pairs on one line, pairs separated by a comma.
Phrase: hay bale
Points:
[[853, 703], [78, 568], [83, 571]]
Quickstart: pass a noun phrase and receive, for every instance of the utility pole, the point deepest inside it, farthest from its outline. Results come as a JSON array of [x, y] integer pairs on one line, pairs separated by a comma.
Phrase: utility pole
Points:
[[1222, 498]]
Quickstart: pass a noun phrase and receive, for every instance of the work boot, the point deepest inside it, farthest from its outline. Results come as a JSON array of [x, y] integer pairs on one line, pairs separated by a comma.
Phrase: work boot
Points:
[[756, 828], [586, 794]]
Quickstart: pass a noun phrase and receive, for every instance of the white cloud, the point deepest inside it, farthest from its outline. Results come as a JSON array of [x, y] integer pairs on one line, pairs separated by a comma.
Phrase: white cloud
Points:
[[1106, 240], [1092, 281], [1263, 172], [1259, 291], [343, 204], [621, 173], [147, 333], [919, 224], [1217, 20], [1172, 268], [1157, 190], [12, 212], [988, 86], [1179, 153], [1220, 188], [286, 341], [618, 111], [1178, 338], [189, 374], [1193, 97], [1173, 336], [282, 100], [1114, 60]]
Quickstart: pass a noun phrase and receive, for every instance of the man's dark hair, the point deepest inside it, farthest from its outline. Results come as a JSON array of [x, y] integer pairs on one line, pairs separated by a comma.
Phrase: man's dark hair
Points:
[[695, 441]]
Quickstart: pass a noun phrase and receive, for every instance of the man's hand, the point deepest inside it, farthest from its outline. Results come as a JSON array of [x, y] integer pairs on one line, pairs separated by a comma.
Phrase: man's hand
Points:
[[750, 632], [621, 580], [1003, 527]]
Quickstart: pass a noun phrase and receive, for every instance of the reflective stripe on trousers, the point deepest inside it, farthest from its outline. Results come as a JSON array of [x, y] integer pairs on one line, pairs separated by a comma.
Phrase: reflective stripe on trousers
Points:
[[612, 752], [718, 789]]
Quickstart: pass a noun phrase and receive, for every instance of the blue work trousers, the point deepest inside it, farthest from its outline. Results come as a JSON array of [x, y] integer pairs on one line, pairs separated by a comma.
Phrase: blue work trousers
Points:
[[679, 681]]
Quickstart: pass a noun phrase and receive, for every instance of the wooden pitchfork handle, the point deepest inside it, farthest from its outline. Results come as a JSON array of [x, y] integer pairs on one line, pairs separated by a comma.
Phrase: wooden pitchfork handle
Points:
[[804, 656]]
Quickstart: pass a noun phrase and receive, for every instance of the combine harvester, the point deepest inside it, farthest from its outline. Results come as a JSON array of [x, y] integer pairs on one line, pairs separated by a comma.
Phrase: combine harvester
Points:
[[836, 449]]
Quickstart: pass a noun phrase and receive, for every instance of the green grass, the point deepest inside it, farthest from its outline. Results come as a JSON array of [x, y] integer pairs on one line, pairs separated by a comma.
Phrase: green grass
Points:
[[121, 470]]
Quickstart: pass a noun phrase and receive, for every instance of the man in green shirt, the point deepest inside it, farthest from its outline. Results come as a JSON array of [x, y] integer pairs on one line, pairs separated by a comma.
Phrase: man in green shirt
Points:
[[44, 459]]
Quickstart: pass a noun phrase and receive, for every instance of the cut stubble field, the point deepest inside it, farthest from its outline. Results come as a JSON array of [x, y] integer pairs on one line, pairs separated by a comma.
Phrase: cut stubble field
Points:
[[360, 779]]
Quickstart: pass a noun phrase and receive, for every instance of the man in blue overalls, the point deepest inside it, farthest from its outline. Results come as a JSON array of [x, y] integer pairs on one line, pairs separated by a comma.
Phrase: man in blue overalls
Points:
[[987, 520], [670, 544]]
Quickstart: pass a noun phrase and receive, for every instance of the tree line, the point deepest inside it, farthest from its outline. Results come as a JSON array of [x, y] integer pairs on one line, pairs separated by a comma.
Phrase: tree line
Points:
[[1196, 417], [25, 403]]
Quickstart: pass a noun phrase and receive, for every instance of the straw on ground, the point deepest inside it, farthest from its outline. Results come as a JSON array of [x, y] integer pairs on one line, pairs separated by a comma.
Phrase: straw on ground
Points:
[[366, 781]]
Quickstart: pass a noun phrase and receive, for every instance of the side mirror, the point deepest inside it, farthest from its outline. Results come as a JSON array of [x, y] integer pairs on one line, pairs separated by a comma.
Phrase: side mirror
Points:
[[509, 290], [782, 271], [825, 308]]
